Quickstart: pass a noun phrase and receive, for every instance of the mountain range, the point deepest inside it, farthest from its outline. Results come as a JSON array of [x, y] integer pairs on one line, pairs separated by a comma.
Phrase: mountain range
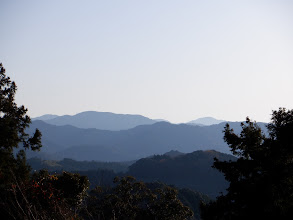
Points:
[[104, 145], [99, 120], [112, 121], [67, 141]]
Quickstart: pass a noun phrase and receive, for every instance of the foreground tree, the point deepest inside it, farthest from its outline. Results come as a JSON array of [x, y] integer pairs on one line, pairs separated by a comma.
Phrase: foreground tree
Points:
[[13, 122], [261, 180], [131, 199], [22, 195]]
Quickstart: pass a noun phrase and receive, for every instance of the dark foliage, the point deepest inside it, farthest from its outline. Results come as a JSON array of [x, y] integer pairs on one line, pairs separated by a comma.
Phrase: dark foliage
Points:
[[193, 199], [261, 180], [73, 165], [13, 123], [131, 200], [191, 170], [22, 195]]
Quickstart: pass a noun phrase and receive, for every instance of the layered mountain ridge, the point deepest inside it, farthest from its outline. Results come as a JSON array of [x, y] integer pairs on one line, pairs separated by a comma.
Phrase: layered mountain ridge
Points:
[[142, 141], [99, 120]]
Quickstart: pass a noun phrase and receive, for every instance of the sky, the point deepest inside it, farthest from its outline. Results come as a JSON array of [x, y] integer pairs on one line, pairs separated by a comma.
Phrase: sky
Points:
[[166, 59]]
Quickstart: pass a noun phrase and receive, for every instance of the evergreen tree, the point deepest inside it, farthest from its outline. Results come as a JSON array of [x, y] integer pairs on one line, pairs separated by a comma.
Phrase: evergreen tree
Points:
[[261, 180], [13, 122], [14, 171], [22, 195]]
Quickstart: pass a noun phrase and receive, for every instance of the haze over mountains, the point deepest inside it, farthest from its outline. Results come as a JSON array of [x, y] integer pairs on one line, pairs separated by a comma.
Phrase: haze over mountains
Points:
[[136, 146], [67, 141], [112, 121], [206, 121], [45, 117], [99, 120]]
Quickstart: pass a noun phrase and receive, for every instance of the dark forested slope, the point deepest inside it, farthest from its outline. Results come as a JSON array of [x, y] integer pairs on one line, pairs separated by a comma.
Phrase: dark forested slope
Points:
[[192, 170]]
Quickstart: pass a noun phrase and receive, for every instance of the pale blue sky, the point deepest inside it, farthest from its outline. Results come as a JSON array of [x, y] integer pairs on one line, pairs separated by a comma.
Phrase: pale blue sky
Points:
[[176, 60]]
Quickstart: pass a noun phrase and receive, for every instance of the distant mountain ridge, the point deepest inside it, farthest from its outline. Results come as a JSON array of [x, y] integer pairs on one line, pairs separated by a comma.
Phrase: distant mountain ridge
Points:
[[206, 121], [45, 117], [99, 120], [112, 121], [142, 141]]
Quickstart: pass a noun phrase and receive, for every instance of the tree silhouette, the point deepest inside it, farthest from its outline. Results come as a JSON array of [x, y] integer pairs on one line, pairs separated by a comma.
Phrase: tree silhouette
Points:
[[22, 195], [131, 199], [261, 180], [13, 122]]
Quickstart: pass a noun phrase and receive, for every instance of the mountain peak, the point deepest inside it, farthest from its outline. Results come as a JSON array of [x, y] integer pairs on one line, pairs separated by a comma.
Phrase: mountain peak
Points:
[[99, 120], [206, 121], [174, 153]]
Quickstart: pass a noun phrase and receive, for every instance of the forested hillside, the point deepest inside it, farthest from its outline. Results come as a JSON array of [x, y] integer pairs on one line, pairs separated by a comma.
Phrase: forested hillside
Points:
[[73, 165], [193, 170]]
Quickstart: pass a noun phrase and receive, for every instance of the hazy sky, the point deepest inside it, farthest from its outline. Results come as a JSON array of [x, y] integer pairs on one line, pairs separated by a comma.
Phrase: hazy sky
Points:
[[176, 60]]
